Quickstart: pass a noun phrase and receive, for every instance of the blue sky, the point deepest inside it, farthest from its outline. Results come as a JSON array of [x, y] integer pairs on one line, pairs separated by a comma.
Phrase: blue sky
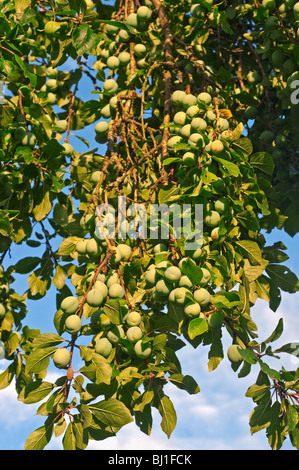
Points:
[[216, 418]]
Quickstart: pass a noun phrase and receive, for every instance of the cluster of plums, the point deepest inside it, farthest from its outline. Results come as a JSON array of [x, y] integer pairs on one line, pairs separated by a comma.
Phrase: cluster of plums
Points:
[[195, 125], [129, 334]]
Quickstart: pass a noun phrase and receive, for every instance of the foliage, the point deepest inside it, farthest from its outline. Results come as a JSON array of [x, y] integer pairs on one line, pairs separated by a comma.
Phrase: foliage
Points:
[[226, 142]]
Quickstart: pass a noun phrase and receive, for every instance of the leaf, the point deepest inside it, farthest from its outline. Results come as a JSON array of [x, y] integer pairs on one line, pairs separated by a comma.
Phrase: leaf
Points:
[[39, 438], [168, 413], [197, 327], [35, 391], [84, 39], [67, 246], [6, 377], [27, 265], [185, 382], [46, 340], [216, 350], [103, 369], [244, 144], [21, 5], [111, 412], [290, 348], [261, 416], [59, 277], [263, 161], [283, 277], [252, 250], [112, 310], [42, 205], [169, 194], [276, 333], [232, 168], [193, 272], [38, 360]]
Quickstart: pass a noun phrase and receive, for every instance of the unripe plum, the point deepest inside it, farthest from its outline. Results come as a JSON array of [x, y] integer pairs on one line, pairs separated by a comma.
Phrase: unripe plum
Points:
[[69, 305], [204, 97], [142, 350], [217, 147], [162, 288], [143, 13], [212, 219], [134, 334], [177, 97], [115, 334], [61, 358], [173, 274], [103, 347], [233, 353], [192, 309], [95, 298], [73, 324], [116, 291], [2, 311], [140, 50], [110, 86], [101, 127], [133, 318], [124, 250], [202, 296]]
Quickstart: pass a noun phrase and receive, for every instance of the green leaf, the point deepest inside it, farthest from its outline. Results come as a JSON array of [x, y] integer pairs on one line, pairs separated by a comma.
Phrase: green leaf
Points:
[[103, 369], [21, 5], [197, 327], [68, 246], [289, 348], [112, 310], [38, 360], [193, 272], [47, 340], [42, 204], [248, 355], [252, 250], [185, 382], [27, 265], [35, 391], [283, 277], [276, 333], [263, 161], [168, 413], [111, 412], [261, 416], [232, 168], [216, 350], [39, 438], [84, 39], [59, 277]]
